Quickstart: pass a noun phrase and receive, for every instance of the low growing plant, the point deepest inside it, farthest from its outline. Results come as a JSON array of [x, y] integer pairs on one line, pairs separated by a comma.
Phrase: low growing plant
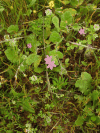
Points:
[[52, 28]]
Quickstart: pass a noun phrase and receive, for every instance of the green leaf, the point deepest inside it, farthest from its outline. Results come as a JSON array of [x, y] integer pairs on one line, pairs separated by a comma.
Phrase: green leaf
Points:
[[67, 44], [55, 60], [57, 69], [63, 25], [84, 82], [1, 27], [11, 73], [12, 55], [66, 61], [98, 110], [79, 121], [1, 8], [32, 2], [56, 53], [9, 131], [37, 60], [57, 44], [22, 68], [55, 21], [33, 58], [67, 17], [84, 41], [88, 110], [12, 28], [32, 39], [15, 93], [86, 76], [84, 63], [89, 38], [95, 36], [38, 69], [26, 106], [97, 120], [95, 95], [65, 2], [38, 43], [79, 97], [30, 59], [83, 85], [63, 70], [76, 27], [28, 12], [54, 37], [68, 48], [93, 118], [81, 47], [47, 31], [76, 2], [72, 11], [36, 27]]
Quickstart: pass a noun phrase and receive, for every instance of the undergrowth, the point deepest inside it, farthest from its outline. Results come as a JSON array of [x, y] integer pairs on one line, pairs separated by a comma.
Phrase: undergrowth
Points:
[[49, 66]]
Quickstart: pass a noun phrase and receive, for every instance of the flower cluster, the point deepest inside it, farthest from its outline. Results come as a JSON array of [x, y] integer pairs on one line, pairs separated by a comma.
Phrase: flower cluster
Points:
[[29, 128], [48, 12], [12, 42], [96, 27], [33, 78], [49, 62]]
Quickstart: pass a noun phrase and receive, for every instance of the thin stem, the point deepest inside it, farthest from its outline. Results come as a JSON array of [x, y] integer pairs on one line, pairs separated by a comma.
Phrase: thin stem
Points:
[[48, 82]]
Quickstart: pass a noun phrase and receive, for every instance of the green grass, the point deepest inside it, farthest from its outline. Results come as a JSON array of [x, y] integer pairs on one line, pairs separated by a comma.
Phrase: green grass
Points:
[[64, 99]]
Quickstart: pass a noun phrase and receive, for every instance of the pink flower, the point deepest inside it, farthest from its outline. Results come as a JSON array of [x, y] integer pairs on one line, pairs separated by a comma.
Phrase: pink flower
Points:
[[51, 65], [81, 31], [29, 45], [48, 59], [27, 130], [49, 62]]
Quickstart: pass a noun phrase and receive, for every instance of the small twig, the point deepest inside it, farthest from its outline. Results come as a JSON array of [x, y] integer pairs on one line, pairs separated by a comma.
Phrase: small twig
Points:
[[55, 125], [53, 113], [11, 39], [83, 45]]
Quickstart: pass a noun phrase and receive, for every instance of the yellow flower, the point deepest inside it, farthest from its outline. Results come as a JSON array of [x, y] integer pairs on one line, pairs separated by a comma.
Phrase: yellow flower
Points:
[[11, 7], [51, 4], [34, 11], [94, 7]]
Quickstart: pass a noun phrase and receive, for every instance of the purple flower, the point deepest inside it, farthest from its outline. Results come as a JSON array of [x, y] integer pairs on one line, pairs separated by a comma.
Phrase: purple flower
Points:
[[81, 31], [29, 45]]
